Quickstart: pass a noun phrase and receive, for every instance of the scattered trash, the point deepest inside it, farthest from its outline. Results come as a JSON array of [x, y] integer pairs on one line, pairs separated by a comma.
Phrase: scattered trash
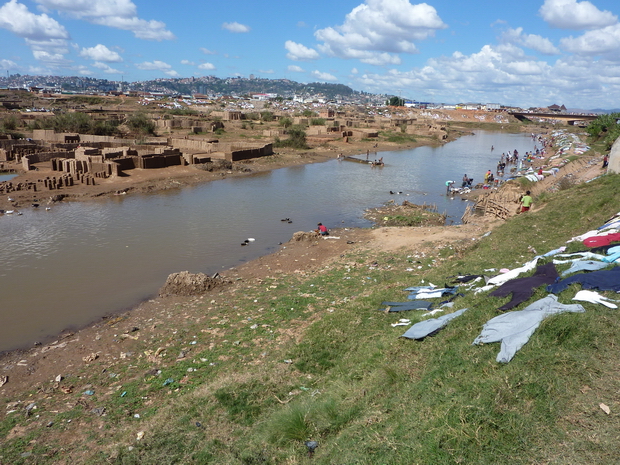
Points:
[[90, 358], [30, 407], [401, 322], [124, 393], [168, 381], [289, 361], [604, 408], [140, 435], [3, 380], [311, 445], [89, 392]]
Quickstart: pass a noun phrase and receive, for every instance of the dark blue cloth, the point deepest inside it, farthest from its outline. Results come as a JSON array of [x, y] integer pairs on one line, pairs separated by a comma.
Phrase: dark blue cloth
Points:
[[604, 280], [523, 288]]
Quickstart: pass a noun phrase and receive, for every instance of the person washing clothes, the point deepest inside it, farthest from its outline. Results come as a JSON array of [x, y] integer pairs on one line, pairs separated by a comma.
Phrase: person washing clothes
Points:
[[322, 230]]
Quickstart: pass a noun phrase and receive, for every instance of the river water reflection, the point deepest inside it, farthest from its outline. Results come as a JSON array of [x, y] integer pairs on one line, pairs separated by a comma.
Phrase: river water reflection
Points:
[[79, 261]]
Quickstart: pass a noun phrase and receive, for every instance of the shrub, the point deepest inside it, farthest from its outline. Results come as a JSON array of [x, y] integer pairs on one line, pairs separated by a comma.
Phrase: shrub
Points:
[[141, 123], [296, 139], [286, 122]]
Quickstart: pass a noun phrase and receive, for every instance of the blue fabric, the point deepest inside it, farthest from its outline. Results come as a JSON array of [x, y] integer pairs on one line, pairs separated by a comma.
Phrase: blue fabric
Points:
[[604, 280], [427, 327], [514, 329], [585, 265]]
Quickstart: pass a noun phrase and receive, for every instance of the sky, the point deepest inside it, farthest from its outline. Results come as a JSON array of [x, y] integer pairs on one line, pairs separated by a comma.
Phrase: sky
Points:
[[524, 53]]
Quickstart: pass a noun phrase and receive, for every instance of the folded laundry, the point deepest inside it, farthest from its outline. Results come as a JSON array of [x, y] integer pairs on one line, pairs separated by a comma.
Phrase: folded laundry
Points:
[[514, 329], [428, 327]]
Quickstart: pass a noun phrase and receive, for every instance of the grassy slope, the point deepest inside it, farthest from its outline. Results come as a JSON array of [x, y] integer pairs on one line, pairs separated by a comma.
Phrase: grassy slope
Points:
[[324, 365]]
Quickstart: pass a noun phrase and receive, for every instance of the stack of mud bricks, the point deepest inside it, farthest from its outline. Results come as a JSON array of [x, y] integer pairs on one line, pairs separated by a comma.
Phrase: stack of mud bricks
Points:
[[54, 183]]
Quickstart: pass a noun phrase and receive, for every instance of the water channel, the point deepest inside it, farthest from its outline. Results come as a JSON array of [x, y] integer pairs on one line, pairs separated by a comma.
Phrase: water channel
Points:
[[79, 261]]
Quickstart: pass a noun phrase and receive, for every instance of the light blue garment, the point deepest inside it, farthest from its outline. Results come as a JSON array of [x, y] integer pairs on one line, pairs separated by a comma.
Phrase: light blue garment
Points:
[[514, 329], [613, 250], [580, 255], [585, 265], [612, 258], [554, 252], [424, 328]]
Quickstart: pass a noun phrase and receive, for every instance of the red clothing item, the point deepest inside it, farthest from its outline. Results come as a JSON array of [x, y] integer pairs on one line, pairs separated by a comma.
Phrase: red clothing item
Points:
[[600, 241]]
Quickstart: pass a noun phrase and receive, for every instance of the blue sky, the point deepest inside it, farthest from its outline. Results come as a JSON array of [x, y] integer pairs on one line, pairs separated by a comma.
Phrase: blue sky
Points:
[[527, 52]]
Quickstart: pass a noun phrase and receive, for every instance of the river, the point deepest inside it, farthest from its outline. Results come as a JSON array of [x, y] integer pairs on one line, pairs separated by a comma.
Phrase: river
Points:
[[79, 261]]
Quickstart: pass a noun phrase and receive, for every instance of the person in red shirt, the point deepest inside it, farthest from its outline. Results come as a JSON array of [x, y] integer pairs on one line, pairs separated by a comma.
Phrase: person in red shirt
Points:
[[322, 230]]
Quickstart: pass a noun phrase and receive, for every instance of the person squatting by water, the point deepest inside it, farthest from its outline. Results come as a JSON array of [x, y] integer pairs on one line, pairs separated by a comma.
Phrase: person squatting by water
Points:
[[322, 230]]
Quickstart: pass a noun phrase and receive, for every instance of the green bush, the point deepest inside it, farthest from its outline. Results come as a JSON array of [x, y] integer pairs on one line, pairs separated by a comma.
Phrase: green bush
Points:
[[285, 122], [296, 139], [141, 123]]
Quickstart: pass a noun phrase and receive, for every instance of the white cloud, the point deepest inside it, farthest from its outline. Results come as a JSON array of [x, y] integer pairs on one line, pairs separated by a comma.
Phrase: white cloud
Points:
[[235, 27], [323, 76], [377, 30], [299, 52], [16, 18], [531, 41], [119, 14], [154, 65], [604, 42], [106, 68], [572, 14], [206, 51], [354, 71], [503, 73], [206, 66], [58, 46], [8, 64], [172, 73], [101, 53], [266, 71], [50, 58], [296, 69], [187, 62]]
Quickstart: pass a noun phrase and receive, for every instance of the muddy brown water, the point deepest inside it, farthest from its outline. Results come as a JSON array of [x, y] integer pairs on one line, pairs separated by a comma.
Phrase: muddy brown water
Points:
[[77, 262]]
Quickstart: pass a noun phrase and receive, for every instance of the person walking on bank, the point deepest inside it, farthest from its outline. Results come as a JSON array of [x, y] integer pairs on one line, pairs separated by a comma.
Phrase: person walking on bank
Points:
[[526, 202]]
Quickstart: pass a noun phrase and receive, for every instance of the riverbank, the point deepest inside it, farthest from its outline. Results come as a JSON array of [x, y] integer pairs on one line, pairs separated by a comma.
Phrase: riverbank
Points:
[[176, 177]]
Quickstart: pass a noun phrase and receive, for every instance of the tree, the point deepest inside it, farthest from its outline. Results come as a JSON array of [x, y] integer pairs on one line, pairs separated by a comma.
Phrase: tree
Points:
[[285, 122], [395, 102]]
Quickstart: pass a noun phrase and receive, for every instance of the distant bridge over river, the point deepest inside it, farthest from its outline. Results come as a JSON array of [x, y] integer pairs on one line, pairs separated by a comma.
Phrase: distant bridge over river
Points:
[[569, 119]]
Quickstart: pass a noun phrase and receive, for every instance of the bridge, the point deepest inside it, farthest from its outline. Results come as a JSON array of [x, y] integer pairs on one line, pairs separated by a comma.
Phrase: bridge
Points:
[[574, 119]]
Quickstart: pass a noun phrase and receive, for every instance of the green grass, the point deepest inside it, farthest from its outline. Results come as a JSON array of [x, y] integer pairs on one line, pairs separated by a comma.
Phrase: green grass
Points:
[[397, 137]]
